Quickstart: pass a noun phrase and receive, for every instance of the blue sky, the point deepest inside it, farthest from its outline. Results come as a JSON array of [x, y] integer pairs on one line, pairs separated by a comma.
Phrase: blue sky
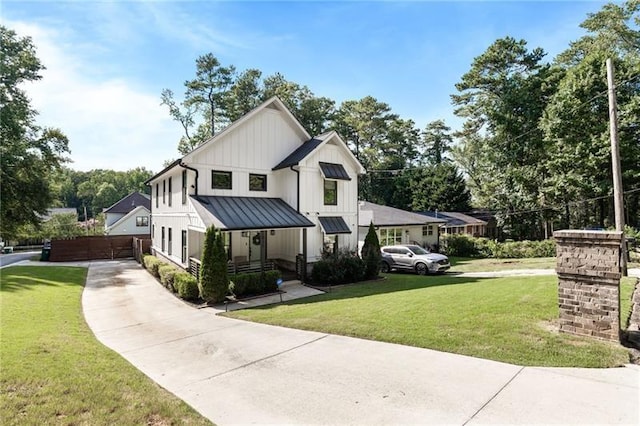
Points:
[[107, 62]]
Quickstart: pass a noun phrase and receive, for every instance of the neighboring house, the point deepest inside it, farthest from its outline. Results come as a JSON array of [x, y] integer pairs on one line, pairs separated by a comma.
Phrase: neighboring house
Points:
[[395, 226], [460, 223], [129, 216], [275, 192]]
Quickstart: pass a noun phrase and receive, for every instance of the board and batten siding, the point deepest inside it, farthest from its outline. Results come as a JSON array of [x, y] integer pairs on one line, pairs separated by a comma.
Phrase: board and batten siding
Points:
[[255, 147]]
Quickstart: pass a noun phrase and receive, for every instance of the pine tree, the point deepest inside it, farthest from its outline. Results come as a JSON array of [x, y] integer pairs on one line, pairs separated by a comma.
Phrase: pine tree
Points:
[[371, 253]]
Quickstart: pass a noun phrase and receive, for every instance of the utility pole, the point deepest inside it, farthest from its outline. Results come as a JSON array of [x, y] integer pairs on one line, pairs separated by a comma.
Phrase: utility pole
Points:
[[618, 202]]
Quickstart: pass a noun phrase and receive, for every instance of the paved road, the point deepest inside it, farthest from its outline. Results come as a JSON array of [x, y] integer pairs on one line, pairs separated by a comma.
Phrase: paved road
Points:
[[9, 259], [237, 372]]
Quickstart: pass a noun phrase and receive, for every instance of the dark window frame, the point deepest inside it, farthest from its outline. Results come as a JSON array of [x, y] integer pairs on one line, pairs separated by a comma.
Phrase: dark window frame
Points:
[[183, 256], [170, 191], [162, 246], [157, 195], [184, 187], [263, 186], [142, 221], [327, 192], [220, 173], [164, 191], [170, 242]]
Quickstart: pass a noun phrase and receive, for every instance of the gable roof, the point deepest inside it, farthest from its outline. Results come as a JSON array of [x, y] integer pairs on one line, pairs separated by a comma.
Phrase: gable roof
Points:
[[274, 103], [129, 203], [390, 216], [454, 218], [124, 218], [307, 148]]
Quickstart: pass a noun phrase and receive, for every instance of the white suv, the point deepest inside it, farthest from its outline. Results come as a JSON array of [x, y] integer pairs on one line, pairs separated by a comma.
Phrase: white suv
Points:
[[413, 258]]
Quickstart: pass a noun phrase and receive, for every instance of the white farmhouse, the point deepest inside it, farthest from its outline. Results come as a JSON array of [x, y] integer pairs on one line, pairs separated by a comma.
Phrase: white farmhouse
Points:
[[278, 194]]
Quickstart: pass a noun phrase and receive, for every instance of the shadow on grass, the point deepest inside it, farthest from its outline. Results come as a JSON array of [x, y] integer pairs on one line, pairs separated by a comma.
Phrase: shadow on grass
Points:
[[393, 283], [21, 278]]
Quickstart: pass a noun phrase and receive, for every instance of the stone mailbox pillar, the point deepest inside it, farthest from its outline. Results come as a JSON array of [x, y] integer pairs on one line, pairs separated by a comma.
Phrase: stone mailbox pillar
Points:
[[588, 267]]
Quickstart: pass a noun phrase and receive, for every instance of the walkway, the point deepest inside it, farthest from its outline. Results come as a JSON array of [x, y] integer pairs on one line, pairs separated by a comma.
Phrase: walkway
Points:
[[240, 372]]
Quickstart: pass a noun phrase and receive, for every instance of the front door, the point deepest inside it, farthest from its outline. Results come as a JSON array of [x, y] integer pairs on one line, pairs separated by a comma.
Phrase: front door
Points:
[[255, 244]]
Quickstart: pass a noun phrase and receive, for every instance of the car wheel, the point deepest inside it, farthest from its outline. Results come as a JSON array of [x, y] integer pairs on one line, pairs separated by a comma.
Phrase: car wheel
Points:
[[421, 269], [385, 268]]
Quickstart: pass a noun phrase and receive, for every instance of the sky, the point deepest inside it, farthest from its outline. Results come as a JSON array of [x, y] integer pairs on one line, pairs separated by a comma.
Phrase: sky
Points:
[[108, 61]]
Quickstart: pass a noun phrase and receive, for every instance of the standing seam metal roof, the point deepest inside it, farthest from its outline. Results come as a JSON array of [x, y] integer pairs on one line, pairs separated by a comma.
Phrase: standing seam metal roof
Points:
[[299, 154], [334, 171], [334, 225], [247, 213]]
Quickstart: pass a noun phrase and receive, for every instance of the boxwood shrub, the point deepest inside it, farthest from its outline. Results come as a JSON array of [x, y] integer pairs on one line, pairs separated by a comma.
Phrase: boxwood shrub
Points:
[[186, 286], [152, 264], [167, 273], [254, 283]]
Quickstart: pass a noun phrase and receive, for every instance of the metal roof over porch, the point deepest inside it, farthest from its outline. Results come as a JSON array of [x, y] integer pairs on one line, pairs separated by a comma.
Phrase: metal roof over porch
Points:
[[248, 213]]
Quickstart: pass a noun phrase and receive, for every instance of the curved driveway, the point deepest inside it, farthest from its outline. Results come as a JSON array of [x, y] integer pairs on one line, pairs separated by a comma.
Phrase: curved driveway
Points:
[[237, 372]]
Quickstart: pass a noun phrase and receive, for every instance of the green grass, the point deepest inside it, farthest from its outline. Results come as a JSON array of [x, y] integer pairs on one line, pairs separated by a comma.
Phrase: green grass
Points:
[[53, 369], [467, 264], [503, 319]]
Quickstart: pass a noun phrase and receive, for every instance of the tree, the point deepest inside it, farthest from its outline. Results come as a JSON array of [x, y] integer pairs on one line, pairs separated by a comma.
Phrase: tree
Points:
[[371, 253], [29, 154], [437, 140], [214, 281], [439, 187], [205, 96], [576, 120]]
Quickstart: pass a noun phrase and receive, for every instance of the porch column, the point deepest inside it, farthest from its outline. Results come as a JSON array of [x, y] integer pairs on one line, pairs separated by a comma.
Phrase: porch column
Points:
[[304, 254], [263, 249]]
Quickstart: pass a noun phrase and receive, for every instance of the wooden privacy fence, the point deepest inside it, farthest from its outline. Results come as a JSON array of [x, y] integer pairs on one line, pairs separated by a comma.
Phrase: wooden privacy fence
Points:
[[141, 246], [93, 248]]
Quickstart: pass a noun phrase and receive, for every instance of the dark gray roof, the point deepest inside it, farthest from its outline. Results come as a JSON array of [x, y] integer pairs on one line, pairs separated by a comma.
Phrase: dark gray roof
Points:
[[299, 154], [334, 171], [390, 216], [334, 225], [455, 218], [247, 213], [129, 203]]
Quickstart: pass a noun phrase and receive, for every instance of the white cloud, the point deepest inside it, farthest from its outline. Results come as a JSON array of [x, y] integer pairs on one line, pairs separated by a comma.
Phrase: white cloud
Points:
[[110, 123]]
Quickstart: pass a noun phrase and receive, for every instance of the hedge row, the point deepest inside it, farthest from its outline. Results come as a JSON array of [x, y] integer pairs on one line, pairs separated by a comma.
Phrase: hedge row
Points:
[[254, 283], [186, 286], [462, 245], [178, 281], [338, 268]]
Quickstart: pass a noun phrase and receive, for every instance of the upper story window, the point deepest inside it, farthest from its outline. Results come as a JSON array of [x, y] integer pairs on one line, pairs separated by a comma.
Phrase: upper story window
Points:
[[170, 193], [257, 182], [164, 192], [142, 220], [220, 179], [157, 194], [184, 187], [330, 193]]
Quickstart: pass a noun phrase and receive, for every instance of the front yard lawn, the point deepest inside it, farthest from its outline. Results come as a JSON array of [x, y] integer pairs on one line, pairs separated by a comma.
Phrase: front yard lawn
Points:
[[468, 264], [503, 319], [54, 371]]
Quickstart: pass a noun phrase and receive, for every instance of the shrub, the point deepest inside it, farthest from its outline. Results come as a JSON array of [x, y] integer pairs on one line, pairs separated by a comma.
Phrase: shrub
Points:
[[214, 282], [371, 253], [459, 245], [167, 274], [152, 264], [338, 268], [466, 246], [255, 283], [186, 285]]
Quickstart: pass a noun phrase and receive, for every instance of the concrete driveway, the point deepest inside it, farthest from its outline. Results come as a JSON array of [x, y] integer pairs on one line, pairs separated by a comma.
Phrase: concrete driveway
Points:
[[236, 372]]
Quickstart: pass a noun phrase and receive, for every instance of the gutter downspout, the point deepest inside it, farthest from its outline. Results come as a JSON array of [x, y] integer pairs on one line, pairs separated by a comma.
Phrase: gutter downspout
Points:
[[197, 174], [298, 187], [303, 273]]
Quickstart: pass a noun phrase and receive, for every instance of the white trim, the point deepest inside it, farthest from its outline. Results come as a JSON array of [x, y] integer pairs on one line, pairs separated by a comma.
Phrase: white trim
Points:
[[128, 215]]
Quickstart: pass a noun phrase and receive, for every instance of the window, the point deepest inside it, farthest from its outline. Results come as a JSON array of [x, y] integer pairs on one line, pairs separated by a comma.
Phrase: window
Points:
[[164, 192], [330, 193], [390, 236], [170, 193], [162, 246], [157, 194], [427, 230], [170, 243], [257, 182], [142, 220], [184, 246], [184, 187], [220, 179]]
